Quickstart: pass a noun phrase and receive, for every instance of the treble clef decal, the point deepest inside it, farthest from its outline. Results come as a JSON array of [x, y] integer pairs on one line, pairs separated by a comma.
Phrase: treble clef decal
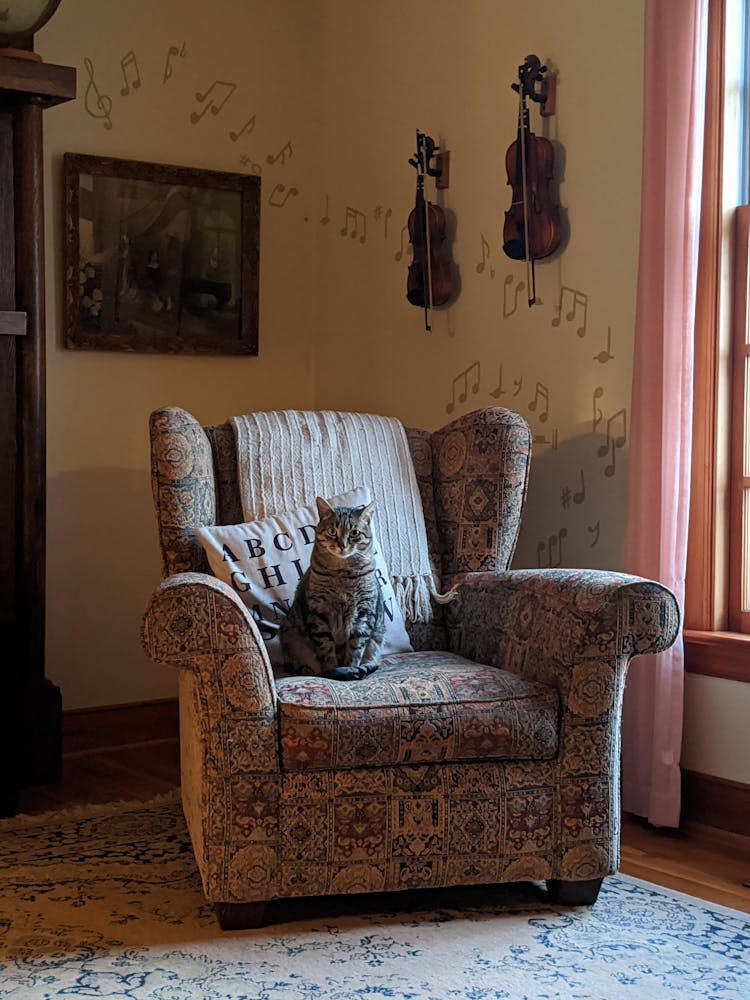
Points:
[[97, 105]]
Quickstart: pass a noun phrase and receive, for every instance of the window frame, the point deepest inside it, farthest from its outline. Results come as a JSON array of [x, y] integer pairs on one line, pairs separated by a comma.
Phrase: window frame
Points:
[[714, 645], [739, 483]]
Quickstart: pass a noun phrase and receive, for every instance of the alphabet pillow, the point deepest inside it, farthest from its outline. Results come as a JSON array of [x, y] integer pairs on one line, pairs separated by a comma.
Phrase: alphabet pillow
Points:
[[264, 560]]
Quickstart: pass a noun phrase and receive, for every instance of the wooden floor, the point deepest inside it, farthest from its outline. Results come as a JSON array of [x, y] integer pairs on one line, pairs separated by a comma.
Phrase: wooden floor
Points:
[[698, 861]]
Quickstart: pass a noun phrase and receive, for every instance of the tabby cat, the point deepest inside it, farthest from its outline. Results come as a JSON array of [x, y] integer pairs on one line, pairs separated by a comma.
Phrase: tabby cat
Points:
[[336, 623]]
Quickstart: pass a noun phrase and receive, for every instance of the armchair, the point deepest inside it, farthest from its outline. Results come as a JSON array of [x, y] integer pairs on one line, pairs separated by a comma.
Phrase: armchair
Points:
[[489, 754]]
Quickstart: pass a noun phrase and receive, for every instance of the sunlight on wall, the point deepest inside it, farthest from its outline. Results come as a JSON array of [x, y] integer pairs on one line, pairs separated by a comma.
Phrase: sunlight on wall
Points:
[[565, 364]]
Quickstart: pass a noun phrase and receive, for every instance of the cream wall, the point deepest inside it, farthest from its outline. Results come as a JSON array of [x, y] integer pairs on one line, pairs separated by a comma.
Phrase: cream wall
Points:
[[392, 68], [102, 557], [347, 84]]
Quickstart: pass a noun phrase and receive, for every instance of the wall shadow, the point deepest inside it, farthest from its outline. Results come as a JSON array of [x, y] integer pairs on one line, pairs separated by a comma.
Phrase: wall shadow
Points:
[[102, 564]]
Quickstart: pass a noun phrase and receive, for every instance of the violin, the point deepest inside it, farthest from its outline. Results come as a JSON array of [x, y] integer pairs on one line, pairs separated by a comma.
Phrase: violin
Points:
[[532, 228], [430, 279]]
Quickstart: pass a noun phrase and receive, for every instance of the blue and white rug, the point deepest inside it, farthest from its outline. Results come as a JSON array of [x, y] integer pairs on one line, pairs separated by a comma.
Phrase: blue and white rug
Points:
[[107, 902]]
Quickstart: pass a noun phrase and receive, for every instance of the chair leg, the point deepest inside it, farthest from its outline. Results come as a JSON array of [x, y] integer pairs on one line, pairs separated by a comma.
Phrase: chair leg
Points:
[[240, 916], [582, 893]]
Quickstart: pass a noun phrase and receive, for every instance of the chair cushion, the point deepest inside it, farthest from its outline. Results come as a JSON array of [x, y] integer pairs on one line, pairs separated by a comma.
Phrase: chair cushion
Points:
[[425, 707]]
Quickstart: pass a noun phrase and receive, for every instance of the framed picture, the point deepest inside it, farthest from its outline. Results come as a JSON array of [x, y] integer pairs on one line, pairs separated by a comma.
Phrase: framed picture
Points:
[[160, 258]]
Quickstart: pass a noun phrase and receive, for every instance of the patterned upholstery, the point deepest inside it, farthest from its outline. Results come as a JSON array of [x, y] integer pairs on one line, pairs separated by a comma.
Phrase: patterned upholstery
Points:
[[496, 760], [426, 707]]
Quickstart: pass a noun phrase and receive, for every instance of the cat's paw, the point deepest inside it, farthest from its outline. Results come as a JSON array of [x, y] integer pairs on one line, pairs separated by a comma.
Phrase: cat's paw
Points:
[[344, 674]]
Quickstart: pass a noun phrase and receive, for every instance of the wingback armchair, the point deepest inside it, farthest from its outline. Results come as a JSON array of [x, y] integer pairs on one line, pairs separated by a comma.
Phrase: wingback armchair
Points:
[[489, 754]]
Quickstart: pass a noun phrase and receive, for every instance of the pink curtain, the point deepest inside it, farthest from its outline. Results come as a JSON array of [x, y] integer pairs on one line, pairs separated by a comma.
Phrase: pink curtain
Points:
[[661, 406]]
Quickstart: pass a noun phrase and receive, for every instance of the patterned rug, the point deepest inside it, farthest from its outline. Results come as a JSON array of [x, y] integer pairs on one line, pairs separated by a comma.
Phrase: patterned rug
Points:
[[106, 902]]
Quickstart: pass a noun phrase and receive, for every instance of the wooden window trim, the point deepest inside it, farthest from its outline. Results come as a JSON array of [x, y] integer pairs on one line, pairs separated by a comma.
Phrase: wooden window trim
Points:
[[705, 594], [739, 616], [711, 646], [718, 654]]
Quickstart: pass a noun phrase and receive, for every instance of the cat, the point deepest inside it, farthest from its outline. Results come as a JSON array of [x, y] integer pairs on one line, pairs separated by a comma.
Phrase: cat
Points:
[[336, 622]]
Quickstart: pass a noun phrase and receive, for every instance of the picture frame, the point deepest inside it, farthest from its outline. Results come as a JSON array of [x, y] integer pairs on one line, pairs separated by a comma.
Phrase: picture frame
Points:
[[160, 258]]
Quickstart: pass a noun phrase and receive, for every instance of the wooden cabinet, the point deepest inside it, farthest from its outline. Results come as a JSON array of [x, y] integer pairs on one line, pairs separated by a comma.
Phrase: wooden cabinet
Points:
[[30, 705]]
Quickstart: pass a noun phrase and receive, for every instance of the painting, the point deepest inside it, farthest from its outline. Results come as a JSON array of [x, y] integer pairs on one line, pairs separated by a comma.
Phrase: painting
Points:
[[159, 258]]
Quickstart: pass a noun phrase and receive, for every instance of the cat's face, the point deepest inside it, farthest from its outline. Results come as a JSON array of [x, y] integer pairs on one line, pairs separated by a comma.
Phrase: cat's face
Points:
[[344, 531]]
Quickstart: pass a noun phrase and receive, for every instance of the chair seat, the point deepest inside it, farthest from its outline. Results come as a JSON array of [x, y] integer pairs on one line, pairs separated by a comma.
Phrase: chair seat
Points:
[[425, 707]]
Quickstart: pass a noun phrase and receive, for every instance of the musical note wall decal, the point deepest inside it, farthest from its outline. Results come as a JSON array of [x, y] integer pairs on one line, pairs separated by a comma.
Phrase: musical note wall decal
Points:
[[553, 542], [223, 89], [485, 257], [246, 129], [520, 286], [351, 224], [594, 529], [281, 155], [280, 189], [400, 253], [247, 161], [518, 383], [498, 391], [96, 104], [379, 213], [463, 379], [604, 356], [577, 299], [326, 218], [598, 415], [540, 392], [130, 63], [172, 52], [541, 547], [614, 441], [542, 439], [580, 495]]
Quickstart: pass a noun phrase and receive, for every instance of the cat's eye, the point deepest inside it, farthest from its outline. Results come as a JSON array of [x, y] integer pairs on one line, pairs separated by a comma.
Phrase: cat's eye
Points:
[[331, 532], [354, 533]]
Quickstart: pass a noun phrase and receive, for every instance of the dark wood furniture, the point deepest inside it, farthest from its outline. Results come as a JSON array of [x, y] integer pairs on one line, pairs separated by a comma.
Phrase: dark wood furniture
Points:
[[30, 705]]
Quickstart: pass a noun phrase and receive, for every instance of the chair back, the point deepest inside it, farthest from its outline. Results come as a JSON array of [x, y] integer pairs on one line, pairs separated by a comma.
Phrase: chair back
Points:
[[472, 476]]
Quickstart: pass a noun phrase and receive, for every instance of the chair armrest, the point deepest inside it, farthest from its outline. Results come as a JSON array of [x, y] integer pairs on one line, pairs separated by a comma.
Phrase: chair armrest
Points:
[[196, 622], [541, 623], [228, 732]]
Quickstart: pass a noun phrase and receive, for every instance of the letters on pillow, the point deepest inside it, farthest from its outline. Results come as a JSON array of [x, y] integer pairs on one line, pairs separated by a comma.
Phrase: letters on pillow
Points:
[[264, 560]]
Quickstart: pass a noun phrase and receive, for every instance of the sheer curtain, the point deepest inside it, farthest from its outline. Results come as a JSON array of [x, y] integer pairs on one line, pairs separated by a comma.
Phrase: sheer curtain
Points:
[[661, 405]]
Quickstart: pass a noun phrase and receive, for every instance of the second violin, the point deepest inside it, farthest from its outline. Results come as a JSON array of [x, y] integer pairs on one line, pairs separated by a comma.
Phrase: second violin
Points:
[[532, 228], [430, 280]]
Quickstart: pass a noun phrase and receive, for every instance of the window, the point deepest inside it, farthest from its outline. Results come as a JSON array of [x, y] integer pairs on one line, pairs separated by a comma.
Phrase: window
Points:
[[717, 602]]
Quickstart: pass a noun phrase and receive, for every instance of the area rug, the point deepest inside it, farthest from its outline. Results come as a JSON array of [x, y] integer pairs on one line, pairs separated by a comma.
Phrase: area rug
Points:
[[107, 902]]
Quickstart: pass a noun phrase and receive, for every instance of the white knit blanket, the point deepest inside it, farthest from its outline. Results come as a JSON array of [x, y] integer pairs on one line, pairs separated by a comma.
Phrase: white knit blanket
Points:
[[286, 458]]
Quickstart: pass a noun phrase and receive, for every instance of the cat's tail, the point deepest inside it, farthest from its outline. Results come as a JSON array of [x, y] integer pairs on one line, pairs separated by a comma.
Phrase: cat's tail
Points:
[[446, 598], [414, 594]]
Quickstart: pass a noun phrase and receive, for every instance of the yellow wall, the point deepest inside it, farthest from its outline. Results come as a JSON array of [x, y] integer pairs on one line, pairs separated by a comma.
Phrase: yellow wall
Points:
[[102, 558], [391, 68], [347, 83]]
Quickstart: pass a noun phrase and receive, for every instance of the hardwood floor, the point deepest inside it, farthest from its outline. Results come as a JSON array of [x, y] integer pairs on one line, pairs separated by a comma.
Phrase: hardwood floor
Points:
[[698, 860]]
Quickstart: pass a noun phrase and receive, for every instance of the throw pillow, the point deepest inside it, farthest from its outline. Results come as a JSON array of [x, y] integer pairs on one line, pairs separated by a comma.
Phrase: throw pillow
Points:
[[264, 560]]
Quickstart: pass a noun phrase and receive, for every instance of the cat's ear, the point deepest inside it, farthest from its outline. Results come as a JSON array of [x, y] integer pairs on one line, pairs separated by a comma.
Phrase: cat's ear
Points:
[[324, 508], [367, 511]]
